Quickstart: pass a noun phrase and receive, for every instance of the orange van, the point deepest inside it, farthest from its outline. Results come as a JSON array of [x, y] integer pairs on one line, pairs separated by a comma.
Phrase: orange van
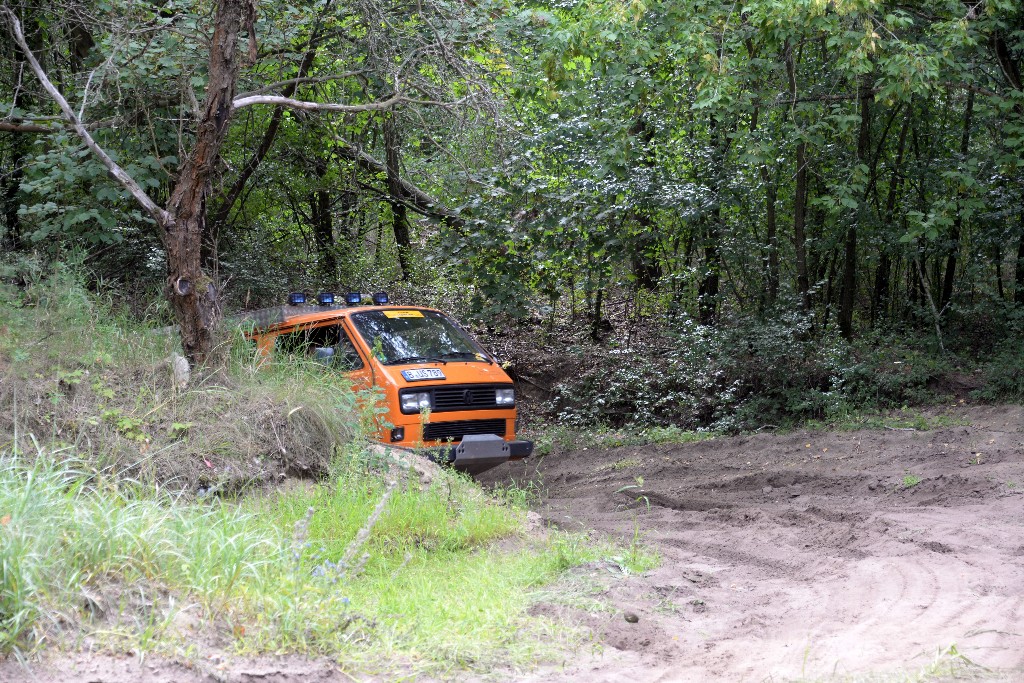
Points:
[[443, 392]]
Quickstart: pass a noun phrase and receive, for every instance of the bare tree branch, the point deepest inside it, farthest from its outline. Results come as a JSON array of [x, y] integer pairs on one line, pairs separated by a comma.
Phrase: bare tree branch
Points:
[[33, 126], [277, 100], [11, 127], [118, 173]]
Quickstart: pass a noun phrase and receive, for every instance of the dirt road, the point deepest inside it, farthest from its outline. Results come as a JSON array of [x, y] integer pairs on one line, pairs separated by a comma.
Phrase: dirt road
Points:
[[810, 556]]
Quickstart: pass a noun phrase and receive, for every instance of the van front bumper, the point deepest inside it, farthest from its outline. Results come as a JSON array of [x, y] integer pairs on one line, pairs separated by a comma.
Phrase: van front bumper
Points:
[[478, 453]]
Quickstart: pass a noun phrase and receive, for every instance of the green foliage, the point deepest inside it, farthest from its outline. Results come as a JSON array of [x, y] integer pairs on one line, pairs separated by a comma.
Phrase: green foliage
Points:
[[1004, 374], [65, 529], [748, 173], [890, 372], [749, 374]]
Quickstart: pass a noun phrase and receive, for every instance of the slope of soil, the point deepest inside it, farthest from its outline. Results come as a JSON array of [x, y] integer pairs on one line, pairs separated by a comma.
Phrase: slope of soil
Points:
[[802, 556]]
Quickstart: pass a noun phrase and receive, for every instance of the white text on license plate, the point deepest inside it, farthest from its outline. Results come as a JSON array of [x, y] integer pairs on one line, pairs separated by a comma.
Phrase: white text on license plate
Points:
[[422, 374]]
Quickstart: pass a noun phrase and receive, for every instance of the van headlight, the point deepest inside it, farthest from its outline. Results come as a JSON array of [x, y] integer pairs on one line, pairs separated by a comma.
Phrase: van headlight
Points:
[[415, 401], [505, 397]]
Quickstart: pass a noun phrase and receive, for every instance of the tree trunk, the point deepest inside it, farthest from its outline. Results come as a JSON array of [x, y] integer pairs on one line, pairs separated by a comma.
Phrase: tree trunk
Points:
[[223, 210], [193, 295], [829, 273], [646, 269], [848, 296], [803, 283], [955, 232], [771, 239], [348, 203], [21, 147], [323, 234], [323, 225], [880, 296], [999, 272], [595, 321], [707, 290], [771, 263], [399, 213], [1018, 272], [10, 187]]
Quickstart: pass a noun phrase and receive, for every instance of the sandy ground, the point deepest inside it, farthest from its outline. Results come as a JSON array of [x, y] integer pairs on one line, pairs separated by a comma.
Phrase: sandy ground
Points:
[[876, 555], [808, 556]]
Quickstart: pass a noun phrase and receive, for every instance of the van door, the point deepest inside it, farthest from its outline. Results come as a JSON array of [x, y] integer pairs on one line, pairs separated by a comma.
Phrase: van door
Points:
[[331, 344], [359, 370], [327, 343]]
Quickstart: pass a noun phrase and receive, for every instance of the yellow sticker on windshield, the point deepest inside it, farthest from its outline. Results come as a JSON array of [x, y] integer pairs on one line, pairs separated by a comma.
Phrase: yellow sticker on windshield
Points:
[[404, 314]]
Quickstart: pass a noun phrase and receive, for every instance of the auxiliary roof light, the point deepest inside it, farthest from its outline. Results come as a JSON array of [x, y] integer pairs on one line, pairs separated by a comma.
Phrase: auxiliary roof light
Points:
[[325, 298], [380, 298], [353, 298], [296, 298]]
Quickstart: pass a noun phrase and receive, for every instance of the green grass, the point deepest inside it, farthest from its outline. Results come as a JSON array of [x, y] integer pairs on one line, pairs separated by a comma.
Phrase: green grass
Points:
[[904, 419], [70, 533], [443, 578], [910, 481], [553, 438], [144, 517], [522, 494], [625, 464]]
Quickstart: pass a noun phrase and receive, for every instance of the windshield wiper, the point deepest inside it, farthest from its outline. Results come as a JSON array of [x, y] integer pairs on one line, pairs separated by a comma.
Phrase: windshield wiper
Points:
[[467, 354], [417, 359]]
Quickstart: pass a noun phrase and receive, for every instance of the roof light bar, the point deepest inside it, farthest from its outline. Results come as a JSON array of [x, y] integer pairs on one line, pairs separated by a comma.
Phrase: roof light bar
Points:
[[380, 298], [325, 298], [296, 298], [353, 298]]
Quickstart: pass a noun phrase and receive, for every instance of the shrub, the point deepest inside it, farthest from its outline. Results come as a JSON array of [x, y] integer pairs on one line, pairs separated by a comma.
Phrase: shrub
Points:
[[746, 373], [1004, 374]]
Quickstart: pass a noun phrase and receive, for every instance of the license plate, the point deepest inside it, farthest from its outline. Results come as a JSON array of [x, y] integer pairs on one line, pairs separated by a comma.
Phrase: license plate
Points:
[[421, 374]]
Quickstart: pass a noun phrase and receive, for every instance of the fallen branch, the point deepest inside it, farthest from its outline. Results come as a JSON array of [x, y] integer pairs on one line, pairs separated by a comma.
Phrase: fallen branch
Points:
[[936, 314], [363, 535]]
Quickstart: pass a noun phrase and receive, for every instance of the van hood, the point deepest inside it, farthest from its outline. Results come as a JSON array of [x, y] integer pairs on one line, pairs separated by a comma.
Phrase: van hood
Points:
[[455, 372]]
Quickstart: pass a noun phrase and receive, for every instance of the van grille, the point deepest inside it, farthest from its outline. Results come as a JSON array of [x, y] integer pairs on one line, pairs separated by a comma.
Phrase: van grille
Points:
[[440, 431], [464, 398]]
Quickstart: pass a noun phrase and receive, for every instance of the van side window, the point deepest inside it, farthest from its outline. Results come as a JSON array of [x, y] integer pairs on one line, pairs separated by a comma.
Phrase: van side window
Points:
[[327, 344]]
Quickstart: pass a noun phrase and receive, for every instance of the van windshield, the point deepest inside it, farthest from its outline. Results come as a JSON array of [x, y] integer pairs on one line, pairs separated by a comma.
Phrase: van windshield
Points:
[[415, 336]]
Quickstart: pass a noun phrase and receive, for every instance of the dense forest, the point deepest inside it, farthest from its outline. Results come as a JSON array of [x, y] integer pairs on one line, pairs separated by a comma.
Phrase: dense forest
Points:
[[852, 165]]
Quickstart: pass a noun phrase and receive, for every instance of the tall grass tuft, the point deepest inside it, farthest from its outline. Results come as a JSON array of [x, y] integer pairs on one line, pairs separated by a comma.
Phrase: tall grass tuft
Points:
[[360, 569], [76, 371], [68, 536]]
